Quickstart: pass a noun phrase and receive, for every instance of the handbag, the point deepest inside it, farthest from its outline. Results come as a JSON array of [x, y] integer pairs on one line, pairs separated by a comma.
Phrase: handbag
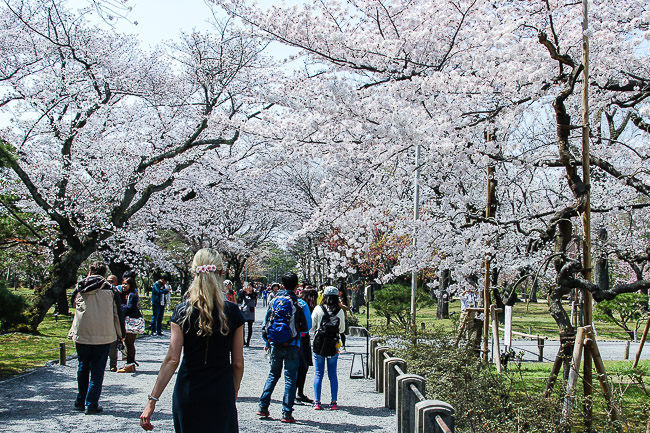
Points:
[[134, 325]]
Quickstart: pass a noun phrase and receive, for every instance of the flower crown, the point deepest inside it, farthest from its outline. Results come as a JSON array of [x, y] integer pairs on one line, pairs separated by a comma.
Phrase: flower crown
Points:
[[206, 268]]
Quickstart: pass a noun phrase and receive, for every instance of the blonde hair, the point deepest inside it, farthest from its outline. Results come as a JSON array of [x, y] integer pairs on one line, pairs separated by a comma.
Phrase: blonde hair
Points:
[[206, 294]]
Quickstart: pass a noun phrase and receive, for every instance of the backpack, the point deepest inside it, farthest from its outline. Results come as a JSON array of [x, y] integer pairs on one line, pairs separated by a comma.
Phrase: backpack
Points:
[[282, 325], [327, 334]]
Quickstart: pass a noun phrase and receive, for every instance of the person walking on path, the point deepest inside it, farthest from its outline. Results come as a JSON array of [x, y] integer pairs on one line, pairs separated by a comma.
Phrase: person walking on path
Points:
[[344, 304], [273, 291], [467, 301], [248, 304], [112, 351], [229, 293], [328, 320], [97, 323], [209, 332], [131, 308], [285, 320], [307, 296], [264, 296], [158, 293]]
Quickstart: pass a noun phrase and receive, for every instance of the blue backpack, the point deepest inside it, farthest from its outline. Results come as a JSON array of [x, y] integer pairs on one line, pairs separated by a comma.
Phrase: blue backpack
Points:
[[281, 326]]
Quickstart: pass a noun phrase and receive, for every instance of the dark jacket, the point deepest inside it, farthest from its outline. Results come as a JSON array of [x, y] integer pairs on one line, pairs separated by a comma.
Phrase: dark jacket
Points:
[[158, 293]]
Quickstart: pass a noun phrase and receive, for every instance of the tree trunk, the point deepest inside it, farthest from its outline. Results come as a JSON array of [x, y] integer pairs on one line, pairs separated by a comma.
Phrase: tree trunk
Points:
[[118, 269], [62, 277], [62, 306], [442, 311], [533, 291]]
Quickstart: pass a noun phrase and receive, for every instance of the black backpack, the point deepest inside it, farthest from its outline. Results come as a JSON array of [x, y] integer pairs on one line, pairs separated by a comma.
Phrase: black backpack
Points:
[[327, 335]]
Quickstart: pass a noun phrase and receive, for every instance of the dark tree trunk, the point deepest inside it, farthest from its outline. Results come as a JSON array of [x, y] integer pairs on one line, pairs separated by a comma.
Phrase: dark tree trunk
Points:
[[442, 311], [533, 291], [62, 277], [62, 306], [601, 267], [118, 269]]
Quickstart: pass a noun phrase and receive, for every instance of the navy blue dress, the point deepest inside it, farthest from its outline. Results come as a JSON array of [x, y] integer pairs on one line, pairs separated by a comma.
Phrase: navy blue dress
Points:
[[204, 395]]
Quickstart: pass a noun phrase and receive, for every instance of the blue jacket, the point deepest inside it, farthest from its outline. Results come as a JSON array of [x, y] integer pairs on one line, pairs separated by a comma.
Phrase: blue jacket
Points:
[[157, 292]]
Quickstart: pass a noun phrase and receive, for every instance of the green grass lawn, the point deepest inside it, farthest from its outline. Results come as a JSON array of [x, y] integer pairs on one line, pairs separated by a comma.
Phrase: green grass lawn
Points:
[[527, 318], [630, 389]]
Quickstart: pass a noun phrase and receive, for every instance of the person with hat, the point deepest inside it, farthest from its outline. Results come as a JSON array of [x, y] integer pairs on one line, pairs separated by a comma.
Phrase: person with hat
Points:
[[228, 291], [326, 314]]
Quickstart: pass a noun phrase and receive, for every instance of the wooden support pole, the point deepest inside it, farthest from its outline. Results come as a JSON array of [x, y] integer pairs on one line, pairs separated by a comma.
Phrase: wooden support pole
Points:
[[573, 376], [586, 215], [495, 337], [62, 354], [638, 352], [604, 384]]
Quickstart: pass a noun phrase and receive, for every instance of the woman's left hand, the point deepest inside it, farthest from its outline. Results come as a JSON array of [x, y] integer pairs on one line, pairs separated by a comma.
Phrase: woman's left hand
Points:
[[145, 418]]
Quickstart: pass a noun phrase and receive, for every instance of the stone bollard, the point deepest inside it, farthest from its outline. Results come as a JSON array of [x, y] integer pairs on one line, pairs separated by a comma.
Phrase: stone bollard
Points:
[[406, 401], [357, 331], [374, 342], [426, 412], [390, 380], [379, 367]]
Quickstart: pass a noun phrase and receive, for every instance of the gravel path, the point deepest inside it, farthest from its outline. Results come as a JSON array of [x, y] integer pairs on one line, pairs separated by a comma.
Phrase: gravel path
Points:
[[41, 401]]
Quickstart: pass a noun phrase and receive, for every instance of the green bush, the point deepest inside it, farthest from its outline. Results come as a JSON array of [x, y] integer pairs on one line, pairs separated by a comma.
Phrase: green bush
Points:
[[484, 401], [627, 311], [12, 307], [393, 302]]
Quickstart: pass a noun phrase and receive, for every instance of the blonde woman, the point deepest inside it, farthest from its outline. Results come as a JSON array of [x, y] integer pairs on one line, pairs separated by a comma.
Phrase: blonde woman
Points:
[[210, 333]]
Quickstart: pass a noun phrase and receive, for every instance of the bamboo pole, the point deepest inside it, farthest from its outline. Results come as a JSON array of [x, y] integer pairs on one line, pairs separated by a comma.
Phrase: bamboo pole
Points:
[[573, 375], [604, 384], [643, 338], [586, 216], [495, 336]]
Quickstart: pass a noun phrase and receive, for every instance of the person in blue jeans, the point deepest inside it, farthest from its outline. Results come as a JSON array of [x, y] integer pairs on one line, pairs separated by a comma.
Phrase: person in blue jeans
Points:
[[158, 293], [97, 323], [332, 305], [284, 354]]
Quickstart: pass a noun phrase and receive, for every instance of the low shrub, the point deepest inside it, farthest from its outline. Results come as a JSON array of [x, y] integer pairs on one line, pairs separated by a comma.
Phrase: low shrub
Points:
[[12, 308], [484, 400]]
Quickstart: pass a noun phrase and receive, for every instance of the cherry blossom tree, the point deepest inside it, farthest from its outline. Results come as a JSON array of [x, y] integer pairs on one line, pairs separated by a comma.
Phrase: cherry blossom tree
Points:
[[98, 128], [381, 77]]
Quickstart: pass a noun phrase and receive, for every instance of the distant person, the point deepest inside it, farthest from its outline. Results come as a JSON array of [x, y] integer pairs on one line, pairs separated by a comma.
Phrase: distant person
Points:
[[209, 332], [228, 291], [285, 320], [248, 304], [275, 288], [117, 344], [344, 304], [168, 296], [97, 323], [265, 294], [328, 321], [467, 302], [308, 296], [158, 293], [131, 308]]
